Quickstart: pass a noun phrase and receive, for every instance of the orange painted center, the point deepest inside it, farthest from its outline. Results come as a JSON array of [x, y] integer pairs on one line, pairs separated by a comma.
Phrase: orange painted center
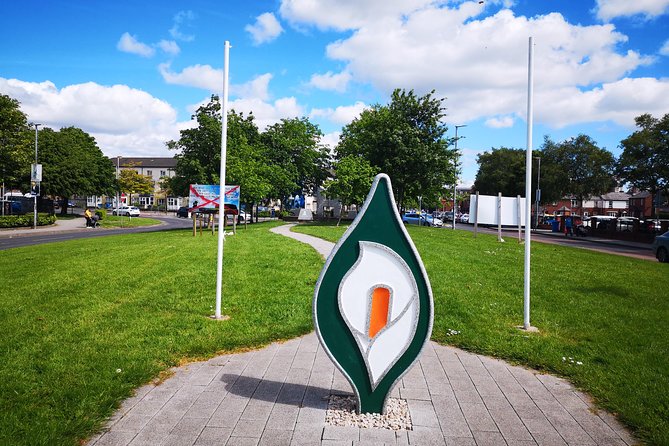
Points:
[[378, 316]]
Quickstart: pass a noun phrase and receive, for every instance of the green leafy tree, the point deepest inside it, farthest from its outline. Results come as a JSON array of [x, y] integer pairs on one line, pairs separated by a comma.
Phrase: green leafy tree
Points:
[[199, 157], [16, 144], [577, 167], [73, 164], [644, 162], [406, 140], [293, 147], [199, 150], [353, 178], [246, 164], [132, 182], [501, 170]]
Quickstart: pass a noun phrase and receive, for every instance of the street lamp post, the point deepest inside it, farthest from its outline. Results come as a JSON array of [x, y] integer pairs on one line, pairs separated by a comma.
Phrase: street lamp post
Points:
[[455, 182], [35, 191], [118, 190], [538, 193]]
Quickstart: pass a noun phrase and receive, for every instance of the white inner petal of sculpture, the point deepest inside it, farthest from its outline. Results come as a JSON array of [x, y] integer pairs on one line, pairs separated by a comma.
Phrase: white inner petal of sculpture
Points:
[[378, 299]]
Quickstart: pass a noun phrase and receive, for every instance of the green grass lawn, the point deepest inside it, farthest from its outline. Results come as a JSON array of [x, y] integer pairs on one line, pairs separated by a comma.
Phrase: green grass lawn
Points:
[[608, 312], [118, 221], [85, 322]]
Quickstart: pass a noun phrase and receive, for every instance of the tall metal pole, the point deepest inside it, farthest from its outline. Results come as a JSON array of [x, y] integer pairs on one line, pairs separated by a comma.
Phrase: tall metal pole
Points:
[[118, 190], [35, 196], [528, 186], [455, 183], [221, 200]]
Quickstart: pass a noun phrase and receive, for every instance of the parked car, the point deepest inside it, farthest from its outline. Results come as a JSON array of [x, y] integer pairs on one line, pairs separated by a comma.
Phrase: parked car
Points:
[[183, 212], [661, 247], [129, 211], [464, 218], [414, 218], [243, 216]]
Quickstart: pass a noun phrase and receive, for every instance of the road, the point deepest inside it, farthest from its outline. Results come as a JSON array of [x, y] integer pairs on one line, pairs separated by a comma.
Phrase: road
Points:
[[636, 250], [168, 223]]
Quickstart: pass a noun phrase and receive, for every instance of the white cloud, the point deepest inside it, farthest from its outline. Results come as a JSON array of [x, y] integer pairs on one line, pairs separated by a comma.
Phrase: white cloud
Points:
[[618, 101], [341, 115], [478, 62], [331, 140], [665, 48], [254, 97], [123, 120], [344, 15], [182, 19], [257, 88], [331, 81], [265, 29], [500, 122], [169, 46], [200, 76], [268, 113], [611, 9], [130, 44]]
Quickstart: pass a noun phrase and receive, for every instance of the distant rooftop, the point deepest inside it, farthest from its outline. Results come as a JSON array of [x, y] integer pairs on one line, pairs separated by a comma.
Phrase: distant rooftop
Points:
[[149, 161]]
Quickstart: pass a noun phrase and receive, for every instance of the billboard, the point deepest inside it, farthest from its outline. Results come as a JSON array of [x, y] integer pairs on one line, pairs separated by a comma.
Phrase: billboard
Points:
[[203, 197], [491, 211]]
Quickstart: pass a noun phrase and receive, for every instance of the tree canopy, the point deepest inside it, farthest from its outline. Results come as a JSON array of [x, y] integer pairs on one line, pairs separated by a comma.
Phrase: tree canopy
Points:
[[72, 163], [352, 180], [132, 182], [16, 144], [287, 158], [406, 140], [644, 162], [576, 167], [502, 170]]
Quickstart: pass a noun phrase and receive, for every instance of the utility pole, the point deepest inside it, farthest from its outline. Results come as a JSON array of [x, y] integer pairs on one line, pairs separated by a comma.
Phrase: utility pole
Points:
[[455, 182], [35, 181]]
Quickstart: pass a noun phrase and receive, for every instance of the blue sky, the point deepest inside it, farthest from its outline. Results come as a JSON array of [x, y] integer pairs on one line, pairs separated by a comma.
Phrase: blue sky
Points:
[[131, 73]]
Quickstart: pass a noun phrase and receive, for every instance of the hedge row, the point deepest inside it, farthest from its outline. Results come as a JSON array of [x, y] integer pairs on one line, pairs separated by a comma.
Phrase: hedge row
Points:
[[17, 221]]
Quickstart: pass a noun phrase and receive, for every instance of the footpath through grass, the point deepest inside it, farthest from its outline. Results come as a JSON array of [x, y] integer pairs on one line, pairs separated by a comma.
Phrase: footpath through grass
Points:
[[603, 318], [85, 322]]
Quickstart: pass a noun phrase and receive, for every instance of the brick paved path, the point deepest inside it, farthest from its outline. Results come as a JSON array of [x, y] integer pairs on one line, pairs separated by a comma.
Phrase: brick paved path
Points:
[[279, 396]]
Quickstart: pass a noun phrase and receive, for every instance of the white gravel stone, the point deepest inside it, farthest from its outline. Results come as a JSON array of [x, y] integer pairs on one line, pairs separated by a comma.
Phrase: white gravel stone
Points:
[[341, 412]]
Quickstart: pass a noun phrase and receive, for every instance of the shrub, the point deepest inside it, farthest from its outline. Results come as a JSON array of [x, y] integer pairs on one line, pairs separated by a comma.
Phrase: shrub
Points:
[[102, 213], [18, 221]]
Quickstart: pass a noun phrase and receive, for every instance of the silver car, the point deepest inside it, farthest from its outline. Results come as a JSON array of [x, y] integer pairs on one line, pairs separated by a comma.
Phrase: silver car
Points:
[[661, 247]]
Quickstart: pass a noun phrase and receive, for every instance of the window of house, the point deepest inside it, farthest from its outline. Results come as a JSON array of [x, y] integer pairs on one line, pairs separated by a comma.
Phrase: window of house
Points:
[[611, 214], [149, 173], [164, 173], [574, 203], [610, 204], [586, 214]]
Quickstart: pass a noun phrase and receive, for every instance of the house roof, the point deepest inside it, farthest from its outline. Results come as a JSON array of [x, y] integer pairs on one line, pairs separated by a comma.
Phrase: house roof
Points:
[[154, 161], [642, 194], [616, 196]]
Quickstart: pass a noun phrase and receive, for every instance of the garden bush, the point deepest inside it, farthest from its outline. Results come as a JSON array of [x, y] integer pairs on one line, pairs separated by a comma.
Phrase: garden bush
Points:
[[18, 221]]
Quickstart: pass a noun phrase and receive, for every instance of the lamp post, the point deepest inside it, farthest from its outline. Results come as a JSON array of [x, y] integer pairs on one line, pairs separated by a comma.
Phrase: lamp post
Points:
[[118, 187], [538, 193], [455, 182], [36, 183]]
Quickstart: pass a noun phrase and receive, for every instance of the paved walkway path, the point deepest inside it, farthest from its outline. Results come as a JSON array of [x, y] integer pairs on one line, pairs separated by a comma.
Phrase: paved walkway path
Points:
[[279, 396]]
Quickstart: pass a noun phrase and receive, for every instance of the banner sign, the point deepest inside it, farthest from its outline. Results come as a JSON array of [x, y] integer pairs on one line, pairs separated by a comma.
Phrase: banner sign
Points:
[[207, 196], [373, 305], [490, 211]]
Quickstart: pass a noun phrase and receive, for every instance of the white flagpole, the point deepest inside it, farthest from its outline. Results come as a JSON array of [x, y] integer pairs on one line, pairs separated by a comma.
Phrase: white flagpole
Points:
[[528, 185], [221, 206]]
